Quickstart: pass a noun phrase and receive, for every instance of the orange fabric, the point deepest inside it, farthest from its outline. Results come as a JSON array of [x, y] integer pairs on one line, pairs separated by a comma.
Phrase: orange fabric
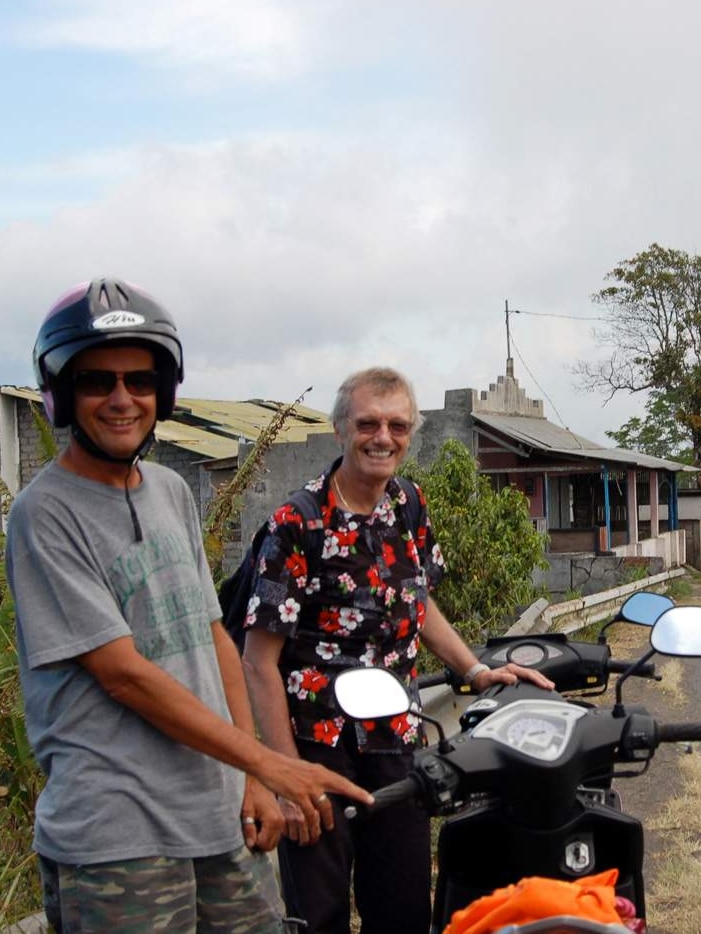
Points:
[[591, 897]]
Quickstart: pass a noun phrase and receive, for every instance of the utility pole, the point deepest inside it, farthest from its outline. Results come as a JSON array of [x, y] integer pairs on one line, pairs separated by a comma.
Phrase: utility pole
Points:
[[509, 311], [509, 362], [508, 334]]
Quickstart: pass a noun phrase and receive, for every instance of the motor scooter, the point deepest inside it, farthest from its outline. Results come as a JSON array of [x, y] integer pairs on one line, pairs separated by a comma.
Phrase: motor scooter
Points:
[[526, 785]]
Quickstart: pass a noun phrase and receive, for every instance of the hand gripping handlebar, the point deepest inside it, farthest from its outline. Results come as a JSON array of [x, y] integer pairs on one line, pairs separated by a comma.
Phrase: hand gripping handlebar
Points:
[[403, 790]]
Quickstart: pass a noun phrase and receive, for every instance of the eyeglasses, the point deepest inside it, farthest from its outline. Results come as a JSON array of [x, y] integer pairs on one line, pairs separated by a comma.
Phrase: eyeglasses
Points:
[[102, 382], [370, 426]]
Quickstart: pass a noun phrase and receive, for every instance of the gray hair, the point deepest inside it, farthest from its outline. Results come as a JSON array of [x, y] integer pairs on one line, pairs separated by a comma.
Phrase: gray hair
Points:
[[382, 380]]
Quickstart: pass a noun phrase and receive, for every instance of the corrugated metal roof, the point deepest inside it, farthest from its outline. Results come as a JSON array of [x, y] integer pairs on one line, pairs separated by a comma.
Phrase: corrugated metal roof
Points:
[[198, 441], [542, 435], [248, 418], [21, 392]]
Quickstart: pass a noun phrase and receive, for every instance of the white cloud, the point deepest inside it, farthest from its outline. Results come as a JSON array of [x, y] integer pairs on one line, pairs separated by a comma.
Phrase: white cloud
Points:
[[256, 37], [291, 261], [454, 155]]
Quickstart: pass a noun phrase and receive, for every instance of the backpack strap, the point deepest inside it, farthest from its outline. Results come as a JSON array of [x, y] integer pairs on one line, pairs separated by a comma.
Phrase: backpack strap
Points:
[[306, 503], [413, 503]]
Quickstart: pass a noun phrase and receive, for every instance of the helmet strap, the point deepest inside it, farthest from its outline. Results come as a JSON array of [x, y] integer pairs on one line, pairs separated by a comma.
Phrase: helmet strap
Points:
[[87, 443]]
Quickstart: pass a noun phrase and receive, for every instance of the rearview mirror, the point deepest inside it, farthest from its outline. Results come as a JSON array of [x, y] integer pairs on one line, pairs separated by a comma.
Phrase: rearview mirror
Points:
[[678, 632], [644, 608], [367, 693]]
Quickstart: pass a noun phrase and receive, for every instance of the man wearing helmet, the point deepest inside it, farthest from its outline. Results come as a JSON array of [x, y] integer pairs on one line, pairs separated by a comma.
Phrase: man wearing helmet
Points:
[[158, 797]]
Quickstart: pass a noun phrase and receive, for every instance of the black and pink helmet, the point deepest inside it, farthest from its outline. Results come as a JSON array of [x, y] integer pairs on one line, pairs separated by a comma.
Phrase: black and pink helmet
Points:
[[99, 312]]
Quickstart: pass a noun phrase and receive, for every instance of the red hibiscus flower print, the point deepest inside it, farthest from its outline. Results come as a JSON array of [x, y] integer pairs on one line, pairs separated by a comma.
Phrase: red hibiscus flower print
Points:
[[326, 731], [346, 537], [421, 536], [400, 724], [403, 628], [329, 620], [296, 564], [287, 515], [313, 680], [388, 555], [412, 552], [374, 579], [404, 727]]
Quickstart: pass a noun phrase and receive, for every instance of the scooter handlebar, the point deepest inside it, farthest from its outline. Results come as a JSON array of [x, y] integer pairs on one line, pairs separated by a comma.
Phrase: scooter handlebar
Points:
[[679, 732], [432, 679], [403, 790], [618, 666]]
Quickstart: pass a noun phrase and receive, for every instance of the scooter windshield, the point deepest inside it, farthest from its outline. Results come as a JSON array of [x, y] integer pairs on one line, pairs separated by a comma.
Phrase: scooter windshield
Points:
[[539, 729]]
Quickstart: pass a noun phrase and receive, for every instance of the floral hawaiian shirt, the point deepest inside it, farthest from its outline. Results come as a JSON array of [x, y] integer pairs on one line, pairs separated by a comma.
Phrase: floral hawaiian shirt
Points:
[[366, 605]]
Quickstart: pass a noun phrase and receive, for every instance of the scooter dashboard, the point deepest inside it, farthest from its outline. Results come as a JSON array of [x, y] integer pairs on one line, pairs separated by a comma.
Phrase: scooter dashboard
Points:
[[538, 729]]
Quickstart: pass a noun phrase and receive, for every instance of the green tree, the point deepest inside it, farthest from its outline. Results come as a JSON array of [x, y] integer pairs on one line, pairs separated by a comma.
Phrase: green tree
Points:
[[654, 306], [659, 433], [487, 538]]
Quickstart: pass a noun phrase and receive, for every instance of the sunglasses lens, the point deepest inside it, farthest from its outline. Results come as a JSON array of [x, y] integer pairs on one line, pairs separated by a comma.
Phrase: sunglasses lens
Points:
[[141, 382], [102, 382], [95, 382], [370, 426]]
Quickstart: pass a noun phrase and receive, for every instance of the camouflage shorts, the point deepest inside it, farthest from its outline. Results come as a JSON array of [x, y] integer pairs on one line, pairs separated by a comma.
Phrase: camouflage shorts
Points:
[[233, 893]]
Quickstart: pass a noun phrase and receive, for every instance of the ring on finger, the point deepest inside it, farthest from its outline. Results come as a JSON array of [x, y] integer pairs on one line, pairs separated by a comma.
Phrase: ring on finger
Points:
[[248, 820], [322, 797]]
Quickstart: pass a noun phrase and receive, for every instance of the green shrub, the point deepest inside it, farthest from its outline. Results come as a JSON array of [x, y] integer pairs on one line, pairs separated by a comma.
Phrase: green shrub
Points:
[[487, 538]]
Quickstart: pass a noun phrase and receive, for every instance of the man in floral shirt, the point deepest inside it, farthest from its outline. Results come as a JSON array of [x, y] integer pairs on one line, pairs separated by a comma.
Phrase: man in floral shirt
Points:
[[366, 603]]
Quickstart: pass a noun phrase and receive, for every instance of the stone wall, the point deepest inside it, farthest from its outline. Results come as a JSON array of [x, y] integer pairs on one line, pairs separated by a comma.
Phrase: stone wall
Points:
[[587, 574], [33, 449]]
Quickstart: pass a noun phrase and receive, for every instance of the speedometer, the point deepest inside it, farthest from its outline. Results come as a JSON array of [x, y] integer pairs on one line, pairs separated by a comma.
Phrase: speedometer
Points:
[[534, 733], [527, 654], [540, 729]]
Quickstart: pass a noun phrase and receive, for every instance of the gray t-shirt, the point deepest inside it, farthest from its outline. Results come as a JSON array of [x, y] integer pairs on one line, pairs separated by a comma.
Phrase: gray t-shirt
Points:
[[116, 787]]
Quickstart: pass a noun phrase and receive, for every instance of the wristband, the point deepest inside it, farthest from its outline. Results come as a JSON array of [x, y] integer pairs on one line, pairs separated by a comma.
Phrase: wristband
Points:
[[472, 673]]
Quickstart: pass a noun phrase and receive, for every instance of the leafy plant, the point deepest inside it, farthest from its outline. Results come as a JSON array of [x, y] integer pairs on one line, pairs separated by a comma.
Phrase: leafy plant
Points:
[[225, 507], [20, 780], [487, 538], [48, 444]]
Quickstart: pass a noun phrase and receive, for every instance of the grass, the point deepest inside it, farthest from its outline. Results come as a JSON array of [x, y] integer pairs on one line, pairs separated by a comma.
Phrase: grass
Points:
[[20, 782], [673, 893], [674, 896]]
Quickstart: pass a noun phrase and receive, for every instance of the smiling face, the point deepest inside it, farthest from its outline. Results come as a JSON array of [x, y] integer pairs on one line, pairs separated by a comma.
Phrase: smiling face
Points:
[[376, 435], [118, 422]]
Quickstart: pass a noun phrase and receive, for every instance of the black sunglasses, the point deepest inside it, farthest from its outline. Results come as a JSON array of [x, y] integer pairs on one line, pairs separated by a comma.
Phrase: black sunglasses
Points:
[[102, 382], [370, 426]]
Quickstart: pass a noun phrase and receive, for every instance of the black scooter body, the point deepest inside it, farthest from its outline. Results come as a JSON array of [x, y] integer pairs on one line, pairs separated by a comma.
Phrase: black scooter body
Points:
[[526, 786], [558, 820], [482, 849]]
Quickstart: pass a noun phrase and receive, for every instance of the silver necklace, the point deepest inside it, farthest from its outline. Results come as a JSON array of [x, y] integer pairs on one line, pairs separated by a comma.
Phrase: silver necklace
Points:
[[341, 495]]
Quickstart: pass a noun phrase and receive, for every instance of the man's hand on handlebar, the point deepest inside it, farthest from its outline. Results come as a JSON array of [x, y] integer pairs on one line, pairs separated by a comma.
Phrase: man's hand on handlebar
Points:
[[510, 674]]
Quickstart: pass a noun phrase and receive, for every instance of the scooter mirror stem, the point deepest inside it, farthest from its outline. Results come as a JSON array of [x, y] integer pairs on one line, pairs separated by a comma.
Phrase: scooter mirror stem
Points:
[[444, 746], [619, 709]]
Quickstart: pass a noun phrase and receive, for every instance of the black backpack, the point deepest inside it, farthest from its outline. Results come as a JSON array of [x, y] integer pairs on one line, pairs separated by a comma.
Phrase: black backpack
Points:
[[235, 591]]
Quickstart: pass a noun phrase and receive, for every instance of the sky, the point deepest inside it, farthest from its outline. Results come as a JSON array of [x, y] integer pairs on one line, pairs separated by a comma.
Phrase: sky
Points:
[[316, 186]]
